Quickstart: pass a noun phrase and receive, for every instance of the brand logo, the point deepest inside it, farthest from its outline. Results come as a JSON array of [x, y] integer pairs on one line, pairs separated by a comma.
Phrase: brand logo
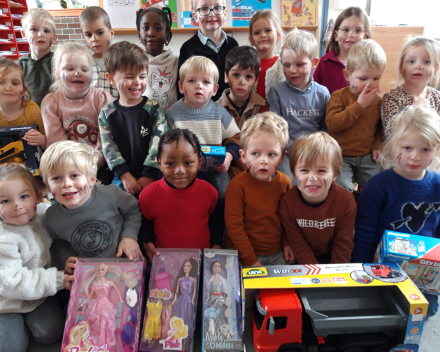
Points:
[[428, 262], [287, 271], [415, 323], [256, 272], [414, 297], [316, 281], [339, 280], [326, 280], [299, 281]]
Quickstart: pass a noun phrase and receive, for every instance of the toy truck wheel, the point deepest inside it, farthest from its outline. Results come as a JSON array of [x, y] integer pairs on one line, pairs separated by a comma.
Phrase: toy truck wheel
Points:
[[292, 347]]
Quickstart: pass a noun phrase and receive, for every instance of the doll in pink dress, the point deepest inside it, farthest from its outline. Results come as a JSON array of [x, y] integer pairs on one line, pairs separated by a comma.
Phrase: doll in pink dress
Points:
[[98, 308]]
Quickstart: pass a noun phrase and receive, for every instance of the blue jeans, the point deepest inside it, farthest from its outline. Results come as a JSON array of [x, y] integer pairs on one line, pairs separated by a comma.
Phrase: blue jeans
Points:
[[433, 304]]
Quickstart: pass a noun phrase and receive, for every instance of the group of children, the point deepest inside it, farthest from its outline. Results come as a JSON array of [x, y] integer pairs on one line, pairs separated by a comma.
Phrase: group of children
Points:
[[115, 117]]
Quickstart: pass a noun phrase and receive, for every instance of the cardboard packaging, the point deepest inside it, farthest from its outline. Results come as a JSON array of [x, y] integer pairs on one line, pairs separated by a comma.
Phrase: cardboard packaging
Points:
[[214, 157]]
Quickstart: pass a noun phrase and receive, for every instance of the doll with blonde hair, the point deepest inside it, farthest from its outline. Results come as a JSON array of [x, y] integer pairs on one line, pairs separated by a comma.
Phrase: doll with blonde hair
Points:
[[79, 337]]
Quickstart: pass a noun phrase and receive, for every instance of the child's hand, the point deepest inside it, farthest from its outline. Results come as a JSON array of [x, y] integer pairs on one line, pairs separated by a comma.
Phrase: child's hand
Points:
[[131, 185], [145, 181], [421, 101], [216, 247], [151, 250], [288, 255], [376, 154], [241, 164], [225, 166], [257, 264], [68, 280], [33, 137], [367, 96], [129, 247], [70, 265]]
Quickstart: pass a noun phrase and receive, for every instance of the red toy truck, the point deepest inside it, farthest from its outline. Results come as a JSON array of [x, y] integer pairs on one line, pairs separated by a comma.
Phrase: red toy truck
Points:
[[384, 271]]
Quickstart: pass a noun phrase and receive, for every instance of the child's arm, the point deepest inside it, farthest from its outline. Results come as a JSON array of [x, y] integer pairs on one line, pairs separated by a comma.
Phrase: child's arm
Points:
[[339, 115], [231, 140], [52, 122], [389, 108], [273, 99], [215, 221], [322, 123], [343, 238], [146, 237], [33, 137]]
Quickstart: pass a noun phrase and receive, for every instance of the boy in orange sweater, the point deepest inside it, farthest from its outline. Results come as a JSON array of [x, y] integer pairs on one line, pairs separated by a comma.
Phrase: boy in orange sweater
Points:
[[252, 197]]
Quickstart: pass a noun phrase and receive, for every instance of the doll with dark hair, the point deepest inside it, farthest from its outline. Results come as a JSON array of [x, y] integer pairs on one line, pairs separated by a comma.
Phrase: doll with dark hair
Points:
[[215, 287]]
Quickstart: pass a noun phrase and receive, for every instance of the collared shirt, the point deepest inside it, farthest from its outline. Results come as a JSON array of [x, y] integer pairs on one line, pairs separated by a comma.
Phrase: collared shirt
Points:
[[99, 81], [309, 85], [211, 43]]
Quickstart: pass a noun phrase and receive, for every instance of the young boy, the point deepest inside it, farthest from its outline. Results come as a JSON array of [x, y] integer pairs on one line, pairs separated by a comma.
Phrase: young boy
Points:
[[353, 114], [39, 30], [87, 220], [317, 213], [252, 197], [210, 41], [98, 33], [130, 126], [299, 99]]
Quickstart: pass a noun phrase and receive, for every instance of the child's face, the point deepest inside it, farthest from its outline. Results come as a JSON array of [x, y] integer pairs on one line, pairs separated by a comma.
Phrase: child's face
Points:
[[363, 76], [314, 181], [40, 35], [241, 81], [18, 201], [211, 23], [263, 155], [413, 155], [153, 33], [70, 187], [349, 33], [75, 75], [297, 67], [98, 36], [11, 87], [417, 67], [179, 165], [198, 88], [130, 84], [264, 37]]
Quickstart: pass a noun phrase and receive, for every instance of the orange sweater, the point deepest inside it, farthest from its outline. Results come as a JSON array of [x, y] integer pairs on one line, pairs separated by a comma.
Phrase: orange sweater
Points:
[[252, 223], [357, 131]]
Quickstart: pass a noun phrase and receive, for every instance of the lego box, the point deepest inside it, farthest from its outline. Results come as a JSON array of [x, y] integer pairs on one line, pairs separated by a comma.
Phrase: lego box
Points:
[[214, 157], [418, 256]]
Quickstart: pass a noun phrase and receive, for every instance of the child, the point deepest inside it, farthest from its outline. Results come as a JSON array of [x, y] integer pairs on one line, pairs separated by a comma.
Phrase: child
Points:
[[180, 209], [351, 26], [154, 27], [317, 213], [419, 65], [299, 99], [353, 114], [39, 30], [252, 198], [98, 33], [87, 220], [210, 41], [16, 106], [404, 198], [132, 125], [71, 111], [27, 281]]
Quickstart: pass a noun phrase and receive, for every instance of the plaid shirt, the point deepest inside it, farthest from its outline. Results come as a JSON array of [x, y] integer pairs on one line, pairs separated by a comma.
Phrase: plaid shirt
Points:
[[100, 82], [306, 88]]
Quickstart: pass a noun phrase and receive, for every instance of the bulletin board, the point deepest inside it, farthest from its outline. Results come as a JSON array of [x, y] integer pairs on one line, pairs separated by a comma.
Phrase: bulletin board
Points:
[[122, 13]]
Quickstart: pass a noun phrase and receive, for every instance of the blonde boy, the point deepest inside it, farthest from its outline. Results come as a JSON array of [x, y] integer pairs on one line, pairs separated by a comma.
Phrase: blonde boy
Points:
[[252, 197], [39, 30], [87, 220], [353, 114]]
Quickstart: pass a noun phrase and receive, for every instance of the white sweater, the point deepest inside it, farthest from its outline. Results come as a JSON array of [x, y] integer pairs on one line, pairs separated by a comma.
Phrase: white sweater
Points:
[[26, 278]]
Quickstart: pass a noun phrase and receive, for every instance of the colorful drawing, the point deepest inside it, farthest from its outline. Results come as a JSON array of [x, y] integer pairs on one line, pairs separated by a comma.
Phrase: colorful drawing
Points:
[[187, 20], [172, 4], [298, 12], [243, 10]]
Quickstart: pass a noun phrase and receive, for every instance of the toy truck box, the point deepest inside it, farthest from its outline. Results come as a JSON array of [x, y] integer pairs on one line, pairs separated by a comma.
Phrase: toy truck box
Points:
[[14, 149], [418, 256], [214, 157], [332, 308]]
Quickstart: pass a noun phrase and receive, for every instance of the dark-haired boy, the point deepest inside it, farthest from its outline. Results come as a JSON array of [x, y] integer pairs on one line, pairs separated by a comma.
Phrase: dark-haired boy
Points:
[[131, 125]]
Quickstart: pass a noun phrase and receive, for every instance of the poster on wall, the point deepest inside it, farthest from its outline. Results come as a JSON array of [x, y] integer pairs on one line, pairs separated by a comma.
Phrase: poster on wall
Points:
[[187, 20], [172, 4], [243, 10], [122, 13], [299, 12]]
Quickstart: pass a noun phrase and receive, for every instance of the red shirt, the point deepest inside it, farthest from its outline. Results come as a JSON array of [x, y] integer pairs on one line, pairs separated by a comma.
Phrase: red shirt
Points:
[[329, 72], [264, 66]]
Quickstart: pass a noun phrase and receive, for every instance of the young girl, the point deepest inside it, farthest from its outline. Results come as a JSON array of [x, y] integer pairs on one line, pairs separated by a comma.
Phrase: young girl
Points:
[[419, 69], [154, 27], [264, 33], [71, 111], [16, 106], [179, 210], [351, 26], [27, 280]]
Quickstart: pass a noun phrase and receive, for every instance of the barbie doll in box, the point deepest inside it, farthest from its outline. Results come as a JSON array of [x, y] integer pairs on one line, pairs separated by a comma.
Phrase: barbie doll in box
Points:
[[216, 293]]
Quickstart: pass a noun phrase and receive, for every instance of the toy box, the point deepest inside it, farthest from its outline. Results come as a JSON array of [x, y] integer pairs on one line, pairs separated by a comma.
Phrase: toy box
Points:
[[222, 319], [334, 308], [214, 157], [14, 149], [104, 308], [171, 303], [418, 256]]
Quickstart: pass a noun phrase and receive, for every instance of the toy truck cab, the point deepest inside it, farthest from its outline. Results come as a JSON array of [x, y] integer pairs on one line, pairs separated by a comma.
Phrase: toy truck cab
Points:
[[384, 271]]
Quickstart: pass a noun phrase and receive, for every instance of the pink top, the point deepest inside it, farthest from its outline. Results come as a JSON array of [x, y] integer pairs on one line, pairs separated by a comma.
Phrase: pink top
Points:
[[329, 72], [163, 281]]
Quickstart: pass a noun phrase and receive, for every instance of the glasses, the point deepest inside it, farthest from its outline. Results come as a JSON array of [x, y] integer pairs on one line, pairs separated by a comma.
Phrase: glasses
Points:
[[206, 11], [357, 32]]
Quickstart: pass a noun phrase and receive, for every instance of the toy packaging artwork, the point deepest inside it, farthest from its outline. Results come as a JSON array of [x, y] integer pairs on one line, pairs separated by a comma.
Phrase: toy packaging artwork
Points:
[[418, 256], [214, 157], [222, 318], [171, 303], [14, 149], [104, 309]]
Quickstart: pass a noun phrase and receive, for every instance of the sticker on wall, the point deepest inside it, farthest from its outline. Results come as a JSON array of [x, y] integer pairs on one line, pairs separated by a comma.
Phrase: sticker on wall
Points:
[[243, 10], [299, 12]]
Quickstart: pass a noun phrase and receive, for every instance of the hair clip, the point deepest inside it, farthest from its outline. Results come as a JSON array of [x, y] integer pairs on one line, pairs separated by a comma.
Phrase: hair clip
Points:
[[165, 10]]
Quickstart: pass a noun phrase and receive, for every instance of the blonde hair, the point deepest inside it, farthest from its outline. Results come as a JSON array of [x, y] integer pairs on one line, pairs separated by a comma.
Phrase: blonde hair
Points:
[[66, 48], [60, 155], [268, 15], [182, 329], [308, 148], [84, 337], [17, 171], [366, 53], [413, 119], [6, 67], [199, 64], [37, 14], [265, 122], [92, 274], [300, 41], [433, 49]]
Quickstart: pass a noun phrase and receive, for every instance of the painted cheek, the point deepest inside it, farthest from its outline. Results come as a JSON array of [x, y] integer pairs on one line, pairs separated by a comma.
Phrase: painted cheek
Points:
[[399, 158], [298, 181], [50, 42], [249, 165], [63, 77]]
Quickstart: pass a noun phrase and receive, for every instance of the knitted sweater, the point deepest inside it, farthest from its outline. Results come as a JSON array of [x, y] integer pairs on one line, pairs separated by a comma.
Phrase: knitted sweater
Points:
[[391, 202], [357, 131], [252, 223], [317, 231], [329, 72], [26, 278], [30, 116]]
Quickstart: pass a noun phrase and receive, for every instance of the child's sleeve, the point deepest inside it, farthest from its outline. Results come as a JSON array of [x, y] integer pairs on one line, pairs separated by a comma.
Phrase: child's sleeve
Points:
[[215, 221], [60, 249], [323, 124], [339, 116], [319, 73], [389, 108], [343, 238], [35, 116], [146, 202], [128, 206], [273, 99], [52, 121], [230, 135]]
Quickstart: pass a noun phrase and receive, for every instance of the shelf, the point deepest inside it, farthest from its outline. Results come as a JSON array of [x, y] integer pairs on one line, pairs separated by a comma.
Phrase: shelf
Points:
[[13, 6], [2, 16], [27, 43], [5, 29]]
